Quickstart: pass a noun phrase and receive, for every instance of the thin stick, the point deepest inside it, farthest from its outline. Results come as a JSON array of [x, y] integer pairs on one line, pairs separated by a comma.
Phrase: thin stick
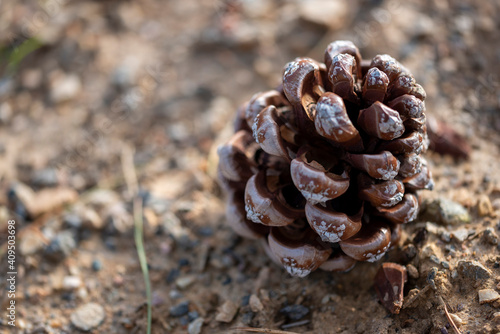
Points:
[[450, 320], [262, 330]]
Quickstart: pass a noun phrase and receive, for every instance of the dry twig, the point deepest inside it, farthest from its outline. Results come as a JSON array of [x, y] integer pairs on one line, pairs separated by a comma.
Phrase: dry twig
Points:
[[262, 330]]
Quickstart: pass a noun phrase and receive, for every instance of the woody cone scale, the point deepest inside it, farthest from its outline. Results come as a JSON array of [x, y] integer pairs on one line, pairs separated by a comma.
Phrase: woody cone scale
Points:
[[324, 170]]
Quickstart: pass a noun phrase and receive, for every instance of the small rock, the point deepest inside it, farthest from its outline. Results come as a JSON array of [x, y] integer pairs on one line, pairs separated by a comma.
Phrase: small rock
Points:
[[445, 211], [185, 282], [295, 312], [325, 299], [118, 218], [180, 309], [227, 311], [30, 243], [496, 317], [175, 294], [65, 87], [82, 293], [255, 304], [72, 220], [489, 236], [247, 317], [410, 251], [473, 269], [487, 296], [484, 206], [460, 234], [88, 316], [195, 326], [45, 178], [23, 197], [5, 113], [90, 218], [331, 14], [456, 319], [412, 271], [71, 282], [61, 246], [31, 78], [96, 265]]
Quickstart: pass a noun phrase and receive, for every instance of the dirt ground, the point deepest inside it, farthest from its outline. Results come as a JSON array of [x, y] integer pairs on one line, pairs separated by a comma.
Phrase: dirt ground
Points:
[[91, 89]]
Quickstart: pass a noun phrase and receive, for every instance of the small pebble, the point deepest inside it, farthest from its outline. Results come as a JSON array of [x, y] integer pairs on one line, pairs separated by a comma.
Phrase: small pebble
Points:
[[185, 282], [96, 265], [456, 319], [460, 234], [72, 220], [195, 326], [45, 178], [496, 317], [65, 87], [175, 294], [412, 271], [180, 309], [410, 251], [295, 312], [487, 296], [435, 259], [172, 275], [484, 206], [183, 263], [88, 316], [227, 311], [193, 315], [71, 282], [247, 317], [490, 236], [245, 300], [255, 304], [61, 246]]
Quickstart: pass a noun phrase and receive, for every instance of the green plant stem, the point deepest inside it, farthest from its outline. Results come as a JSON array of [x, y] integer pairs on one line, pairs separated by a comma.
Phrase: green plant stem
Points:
[[139, 243]]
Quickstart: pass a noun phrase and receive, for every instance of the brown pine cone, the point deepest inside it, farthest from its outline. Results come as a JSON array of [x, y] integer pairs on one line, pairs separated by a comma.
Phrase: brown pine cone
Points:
[[325, 169]]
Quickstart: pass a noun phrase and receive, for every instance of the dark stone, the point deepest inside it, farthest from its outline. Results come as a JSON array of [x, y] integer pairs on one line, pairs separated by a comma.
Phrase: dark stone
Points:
[[172, 275], [193, 315], [420, 236], [44, 178], [473, 269], [180, 309], [295, 312], [205, 231], [72, 220], [110, 243], [226, 279], [245, 300], [183, 263], [60, 247], [247, 318], [96, 265]]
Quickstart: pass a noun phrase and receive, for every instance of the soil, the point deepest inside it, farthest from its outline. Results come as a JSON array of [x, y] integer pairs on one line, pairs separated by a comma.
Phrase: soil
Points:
[[112, 85]]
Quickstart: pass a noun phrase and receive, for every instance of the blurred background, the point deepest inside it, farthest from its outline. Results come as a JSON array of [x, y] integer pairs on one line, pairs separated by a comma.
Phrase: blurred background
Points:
[[90, 88]]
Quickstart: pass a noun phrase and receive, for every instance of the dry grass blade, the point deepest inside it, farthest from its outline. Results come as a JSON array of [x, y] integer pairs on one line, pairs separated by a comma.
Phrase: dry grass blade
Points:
[[130, 175], [262, 330], [450, 320]]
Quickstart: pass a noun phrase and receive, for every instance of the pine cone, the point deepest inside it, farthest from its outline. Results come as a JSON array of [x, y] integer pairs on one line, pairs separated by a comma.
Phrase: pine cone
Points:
[[325, 169]]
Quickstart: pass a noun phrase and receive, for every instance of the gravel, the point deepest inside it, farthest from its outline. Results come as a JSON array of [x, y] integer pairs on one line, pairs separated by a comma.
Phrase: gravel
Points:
[[88, 316]]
